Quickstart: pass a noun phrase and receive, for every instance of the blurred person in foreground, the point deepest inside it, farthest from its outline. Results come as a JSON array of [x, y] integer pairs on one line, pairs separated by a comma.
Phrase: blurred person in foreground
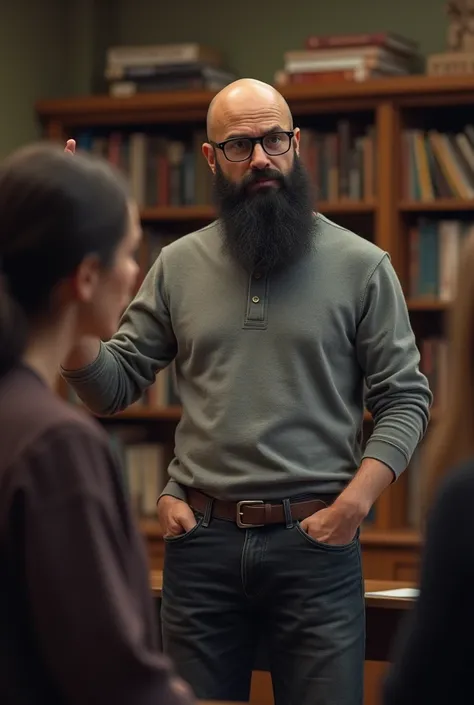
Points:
[[274, 318], [76, 615], [433, 655]]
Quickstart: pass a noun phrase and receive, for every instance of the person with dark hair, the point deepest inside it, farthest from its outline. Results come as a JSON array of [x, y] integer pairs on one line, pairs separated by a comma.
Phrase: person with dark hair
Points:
[[76, 611]]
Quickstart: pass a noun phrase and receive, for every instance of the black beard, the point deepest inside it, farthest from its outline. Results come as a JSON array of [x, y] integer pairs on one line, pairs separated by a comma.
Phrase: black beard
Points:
[[268, 228]]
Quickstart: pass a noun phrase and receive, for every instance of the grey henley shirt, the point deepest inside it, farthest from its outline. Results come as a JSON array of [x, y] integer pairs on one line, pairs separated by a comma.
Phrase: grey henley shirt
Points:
[[270, 369]]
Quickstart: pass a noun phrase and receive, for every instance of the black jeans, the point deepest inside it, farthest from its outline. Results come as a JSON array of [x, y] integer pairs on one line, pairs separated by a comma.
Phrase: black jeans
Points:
[[224, 587]]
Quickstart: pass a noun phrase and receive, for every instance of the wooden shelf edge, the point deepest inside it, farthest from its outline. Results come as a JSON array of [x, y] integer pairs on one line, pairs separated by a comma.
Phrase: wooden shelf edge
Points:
[[427, 304], [414, 84], [62, 108], [177, 213], [189, 103], [208, 213], [391, 538], [347, 206], [440, 204]]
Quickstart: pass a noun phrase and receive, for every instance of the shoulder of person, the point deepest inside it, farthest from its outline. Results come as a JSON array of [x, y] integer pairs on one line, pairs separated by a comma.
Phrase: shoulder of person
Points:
[[72, 421], [71, 457], [354, 248], [34, 411], [192, 242], [353, 259]]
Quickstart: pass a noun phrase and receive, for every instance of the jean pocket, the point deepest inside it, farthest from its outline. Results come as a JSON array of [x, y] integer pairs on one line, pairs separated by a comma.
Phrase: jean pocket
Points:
[[181, 538], [335, 548]]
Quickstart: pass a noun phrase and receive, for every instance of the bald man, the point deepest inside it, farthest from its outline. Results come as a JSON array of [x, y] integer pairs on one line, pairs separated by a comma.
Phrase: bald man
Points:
[[274, 318]]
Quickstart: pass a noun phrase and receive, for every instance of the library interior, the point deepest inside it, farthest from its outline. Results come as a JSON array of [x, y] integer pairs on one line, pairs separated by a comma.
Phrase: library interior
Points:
[[380, 100]]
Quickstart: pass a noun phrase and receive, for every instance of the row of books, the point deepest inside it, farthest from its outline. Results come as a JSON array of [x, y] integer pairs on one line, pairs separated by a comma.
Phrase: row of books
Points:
[[434, 252], [434, 364], [165, 171], [438, 165], [145, 472], [169, 172], [162, 171], [341, 163]]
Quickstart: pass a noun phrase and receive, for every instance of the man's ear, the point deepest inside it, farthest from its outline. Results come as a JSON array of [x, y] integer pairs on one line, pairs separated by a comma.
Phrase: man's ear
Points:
[[209, 155], [296, 140]]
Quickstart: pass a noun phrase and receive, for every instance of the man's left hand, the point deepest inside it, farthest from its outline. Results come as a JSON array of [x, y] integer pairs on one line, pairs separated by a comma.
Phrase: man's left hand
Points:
[[331, 526]]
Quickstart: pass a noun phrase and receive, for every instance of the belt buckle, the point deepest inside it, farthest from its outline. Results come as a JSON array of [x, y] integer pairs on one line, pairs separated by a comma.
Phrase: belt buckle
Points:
[[242, 503]]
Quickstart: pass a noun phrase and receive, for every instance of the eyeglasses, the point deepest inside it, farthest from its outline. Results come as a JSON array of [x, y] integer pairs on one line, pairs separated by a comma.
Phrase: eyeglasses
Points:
[[239, 149]]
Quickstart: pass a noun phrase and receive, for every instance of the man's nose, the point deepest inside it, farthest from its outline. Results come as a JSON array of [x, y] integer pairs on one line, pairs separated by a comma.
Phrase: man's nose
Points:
[[259, 159]]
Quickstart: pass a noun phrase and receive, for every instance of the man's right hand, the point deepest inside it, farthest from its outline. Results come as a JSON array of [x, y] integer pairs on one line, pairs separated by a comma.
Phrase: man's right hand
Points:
[[175, 516], [70, 147]]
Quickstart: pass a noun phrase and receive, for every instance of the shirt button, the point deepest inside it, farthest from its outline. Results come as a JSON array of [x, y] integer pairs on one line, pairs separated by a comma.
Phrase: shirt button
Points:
[[255, 299]]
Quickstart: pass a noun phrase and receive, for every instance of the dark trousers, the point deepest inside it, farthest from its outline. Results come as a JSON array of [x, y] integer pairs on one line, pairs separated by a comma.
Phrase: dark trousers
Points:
[[225, 587]]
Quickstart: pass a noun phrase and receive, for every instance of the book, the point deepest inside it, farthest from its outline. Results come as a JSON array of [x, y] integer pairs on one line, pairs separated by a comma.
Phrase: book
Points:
[[405, 593]]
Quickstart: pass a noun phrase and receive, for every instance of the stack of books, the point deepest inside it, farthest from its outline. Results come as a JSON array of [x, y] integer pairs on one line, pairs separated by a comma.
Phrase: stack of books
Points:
[[351, 57], [165, 67]]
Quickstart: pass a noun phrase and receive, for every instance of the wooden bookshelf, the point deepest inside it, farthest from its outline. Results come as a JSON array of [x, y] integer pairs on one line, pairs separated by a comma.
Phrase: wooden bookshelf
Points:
[[437, 206], [427, 304], [186, 214], [390, 107], [181, 214]]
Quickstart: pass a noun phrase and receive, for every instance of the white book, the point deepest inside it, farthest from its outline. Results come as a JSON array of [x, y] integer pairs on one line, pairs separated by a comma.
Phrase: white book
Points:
[[410, 593]]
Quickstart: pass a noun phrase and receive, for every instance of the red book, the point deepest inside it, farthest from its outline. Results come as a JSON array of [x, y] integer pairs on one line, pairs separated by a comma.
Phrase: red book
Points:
[[389, 40]]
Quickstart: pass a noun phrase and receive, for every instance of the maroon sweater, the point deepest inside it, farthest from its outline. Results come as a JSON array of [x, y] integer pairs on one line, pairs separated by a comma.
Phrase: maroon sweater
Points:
[[76, 616]]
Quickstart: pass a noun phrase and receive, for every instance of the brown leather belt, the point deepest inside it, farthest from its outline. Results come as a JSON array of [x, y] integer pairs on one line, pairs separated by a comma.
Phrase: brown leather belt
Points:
[[253, 513]]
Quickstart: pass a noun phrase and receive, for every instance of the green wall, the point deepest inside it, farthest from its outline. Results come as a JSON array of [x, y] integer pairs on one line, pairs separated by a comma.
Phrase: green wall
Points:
[[48, 49], [32, 64], [56, 48], [255, 35]]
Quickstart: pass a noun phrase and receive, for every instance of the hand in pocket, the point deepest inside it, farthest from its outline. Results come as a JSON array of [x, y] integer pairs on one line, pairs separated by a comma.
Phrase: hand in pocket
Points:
[[175, 516], [329, 526]]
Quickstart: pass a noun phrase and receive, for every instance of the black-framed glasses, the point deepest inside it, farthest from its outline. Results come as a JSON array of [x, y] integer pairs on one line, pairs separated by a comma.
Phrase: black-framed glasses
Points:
[[239, 149]]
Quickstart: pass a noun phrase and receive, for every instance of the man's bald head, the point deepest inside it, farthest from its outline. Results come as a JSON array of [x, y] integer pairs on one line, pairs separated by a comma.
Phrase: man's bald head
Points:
[[245, 98]]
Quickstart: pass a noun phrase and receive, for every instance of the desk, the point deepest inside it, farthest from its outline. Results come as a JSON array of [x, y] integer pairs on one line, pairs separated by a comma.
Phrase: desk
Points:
[[383, 616]]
